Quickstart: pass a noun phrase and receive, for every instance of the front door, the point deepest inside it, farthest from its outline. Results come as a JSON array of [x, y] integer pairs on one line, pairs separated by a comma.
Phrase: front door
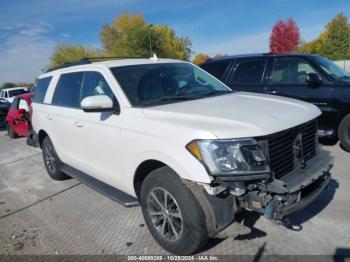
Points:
[[97, 135], [288, 78]]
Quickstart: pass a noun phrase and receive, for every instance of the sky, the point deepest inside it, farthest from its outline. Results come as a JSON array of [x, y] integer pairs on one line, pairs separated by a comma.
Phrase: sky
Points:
[[31, 29]]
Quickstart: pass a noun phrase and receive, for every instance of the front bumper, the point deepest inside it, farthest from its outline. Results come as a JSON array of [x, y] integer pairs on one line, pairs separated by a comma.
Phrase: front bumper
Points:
[[291, 193]]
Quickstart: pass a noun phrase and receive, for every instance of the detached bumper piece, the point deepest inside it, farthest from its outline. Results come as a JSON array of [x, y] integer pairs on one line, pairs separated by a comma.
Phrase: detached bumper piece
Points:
[[283, 205]]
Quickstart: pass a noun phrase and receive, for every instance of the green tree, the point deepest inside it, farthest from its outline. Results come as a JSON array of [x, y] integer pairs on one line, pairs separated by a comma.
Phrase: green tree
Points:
[[66, 53], [334, 42], [8, 85], [200, 58], [130, 35], [337, 38]]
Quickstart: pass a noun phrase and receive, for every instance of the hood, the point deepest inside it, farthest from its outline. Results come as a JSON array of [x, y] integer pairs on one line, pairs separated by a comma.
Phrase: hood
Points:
[[236, 115]]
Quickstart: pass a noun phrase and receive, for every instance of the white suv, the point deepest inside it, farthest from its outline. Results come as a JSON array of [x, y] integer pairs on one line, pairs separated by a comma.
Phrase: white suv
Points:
[[166, 134]]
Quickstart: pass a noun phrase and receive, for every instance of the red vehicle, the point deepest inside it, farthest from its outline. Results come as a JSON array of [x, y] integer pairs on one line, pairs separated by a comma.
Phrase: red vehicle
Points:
[[19, 115]]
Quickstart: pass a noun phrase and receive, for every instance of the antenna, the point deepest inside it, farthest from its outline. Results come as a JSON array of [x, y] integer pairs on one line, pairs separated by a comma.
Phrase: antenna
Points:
[[149, 39]]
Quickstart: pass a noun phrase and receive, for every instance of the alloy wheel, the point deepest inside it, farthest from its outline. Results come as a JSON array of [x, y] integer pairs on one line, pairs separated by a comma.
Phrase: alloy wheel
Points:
[[165, 214]]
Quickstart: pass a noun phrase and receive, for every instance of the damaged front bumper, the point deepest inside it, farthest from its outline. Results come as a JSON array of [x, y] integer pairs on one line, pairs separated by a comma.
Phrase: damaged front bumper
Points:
[[277, 198], [272, 197]]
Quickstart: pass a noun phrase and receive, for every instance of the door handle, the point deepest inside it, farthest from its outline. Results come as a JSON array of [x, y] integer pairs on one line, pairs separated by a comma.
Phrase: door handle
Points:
[[78, 124], [49, 117], [273, 92]]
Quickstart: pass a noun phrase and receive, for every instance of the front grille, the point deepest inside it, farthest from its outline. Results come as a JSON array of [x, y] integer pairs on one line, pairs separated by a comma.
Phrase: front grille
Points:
[[283, 154]]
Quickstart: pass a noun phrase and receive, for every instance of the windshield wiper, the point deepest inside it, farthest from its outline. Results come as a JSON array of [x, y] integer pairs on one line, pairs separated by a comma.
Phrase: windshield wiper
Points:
[[216, 92], [169, 99]]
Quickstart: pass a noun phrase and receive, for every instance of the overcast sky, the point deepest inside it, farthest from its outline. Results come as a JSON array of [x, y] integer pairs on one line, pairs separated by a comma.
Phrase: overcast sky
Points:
[[30, 30]]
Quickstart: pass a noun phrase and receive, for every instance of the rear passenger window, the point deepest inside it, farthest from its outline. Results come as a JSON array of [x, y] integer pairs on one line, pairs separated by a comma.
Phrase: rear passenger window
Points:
[[248, 72], [216, 69], [40, 89], [67, 91]]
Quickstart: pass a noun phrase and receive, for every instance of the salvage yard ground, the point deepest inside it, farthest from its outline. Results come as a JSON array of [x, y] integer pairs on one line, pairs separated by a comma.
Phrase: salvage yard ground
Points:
[[42, 216]]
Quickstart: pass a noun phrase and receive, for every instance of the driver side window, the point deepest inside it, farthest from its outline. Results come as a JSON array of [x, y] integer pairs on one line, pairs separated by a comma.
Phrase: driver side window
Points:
[[290, 71], [95, 84]]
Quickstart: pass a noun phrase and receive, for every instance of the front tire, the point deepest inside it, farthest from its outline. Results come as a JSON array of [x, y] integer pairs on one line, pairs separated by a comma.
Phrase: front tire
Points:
[[344, 133], [51, 161], [172, 213], [10, 132]]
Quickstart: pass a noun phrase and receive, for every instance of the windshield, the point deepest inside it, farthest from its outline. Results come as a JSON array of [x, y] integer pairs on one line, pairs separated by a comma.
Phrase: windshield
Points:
[[154, 84], [331, 68], [17, 92]]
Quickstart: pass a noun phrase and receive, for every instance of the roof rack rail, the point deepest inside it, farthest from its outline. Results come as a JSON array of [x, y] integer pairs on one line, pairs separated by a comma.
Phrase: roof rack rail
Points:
[[89, 60]]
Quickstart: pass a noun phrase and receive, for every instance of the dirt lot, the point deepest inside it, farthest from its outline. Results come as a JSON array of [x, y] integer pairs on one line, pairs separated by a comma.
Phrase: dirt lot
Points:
[[42, 216]]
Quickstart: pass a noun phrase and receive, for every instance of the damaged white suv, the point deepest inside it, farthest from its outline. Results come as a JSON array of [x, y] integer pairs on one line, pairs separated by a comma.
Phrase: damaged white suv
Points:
[[166, 134]]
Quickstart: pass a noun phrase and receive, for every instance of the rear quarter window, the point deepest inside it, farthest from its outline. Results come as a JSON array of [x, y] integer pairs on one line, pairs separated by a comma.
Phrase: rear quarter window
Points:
[[40, 89]]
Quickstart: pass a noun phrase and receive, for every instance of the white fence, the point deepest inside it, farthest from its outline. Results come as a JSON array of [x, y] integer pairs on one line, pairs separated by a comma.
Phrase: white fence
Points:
[[345, 64]]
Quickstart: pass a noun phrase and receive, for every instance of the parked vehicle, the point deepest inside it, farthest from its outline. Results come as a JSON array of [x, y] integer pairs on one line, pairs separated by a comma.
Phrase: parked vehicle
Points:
[[311, 78], [170, 136], [4, 108], [18, 117], [9, 93]]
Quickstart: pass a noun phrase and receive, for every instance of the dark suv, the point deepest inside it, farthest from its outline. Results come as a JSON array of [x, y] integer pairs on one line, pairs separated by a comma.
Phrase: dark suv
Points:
[[311, 78]]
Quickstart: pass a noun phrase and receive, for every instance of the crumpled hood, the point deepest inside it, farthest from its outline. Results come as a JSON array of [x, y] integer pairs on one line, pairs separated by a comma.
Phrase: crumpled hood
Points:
[[235, 115]]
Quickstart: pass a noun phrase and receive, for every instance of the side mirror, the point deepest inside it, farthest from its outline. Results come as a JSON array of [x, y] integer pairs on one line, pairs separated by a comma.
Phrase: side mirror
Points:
[[100, 103], [313, 79]]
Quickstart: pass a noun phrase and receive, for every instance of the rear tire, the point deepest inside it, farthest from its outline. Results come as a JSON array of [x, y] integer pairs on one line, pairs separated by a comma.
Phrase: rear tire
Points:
[[51, 161], [344, 133], [10, 132], [177, 224]]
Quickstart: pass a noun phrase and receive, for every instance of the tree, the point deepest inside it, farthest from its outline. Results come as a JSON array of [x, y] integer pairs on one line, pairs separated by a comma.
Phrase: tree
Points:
[[8, 85], [130, 35], [336, 41], [66, 53], [200, 58], [284, 37]]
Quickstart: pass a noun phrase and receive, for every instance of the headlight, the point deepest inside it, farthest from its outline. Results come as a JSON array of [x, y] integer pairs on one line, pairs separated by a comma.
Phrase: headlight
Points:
[[236, 156]]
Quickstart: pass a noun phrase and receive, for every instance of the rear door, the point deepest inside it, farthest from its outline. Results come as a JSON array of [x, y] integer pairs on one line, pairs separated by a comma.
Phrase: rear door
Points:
[[60, 117], [218, 69], [288, 77], [248, 75]]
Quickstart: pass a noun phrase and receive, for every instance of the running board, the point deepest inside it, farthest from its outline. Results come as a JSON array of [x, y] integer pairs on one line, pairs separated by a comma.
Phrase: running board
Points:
[[101, 187]]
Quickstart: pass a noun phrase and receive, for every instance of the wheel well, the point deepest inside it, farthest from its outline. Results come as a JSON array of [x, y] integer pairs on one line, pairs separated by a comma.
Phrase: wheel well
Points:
[[41, 135], [142, 171]]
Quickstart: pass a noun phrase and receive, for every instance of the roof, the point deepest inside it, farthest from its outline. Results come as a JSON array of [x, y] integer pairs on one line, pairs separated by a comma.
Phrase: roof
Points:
[[110, 62], [14, 88], [256, 55]]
